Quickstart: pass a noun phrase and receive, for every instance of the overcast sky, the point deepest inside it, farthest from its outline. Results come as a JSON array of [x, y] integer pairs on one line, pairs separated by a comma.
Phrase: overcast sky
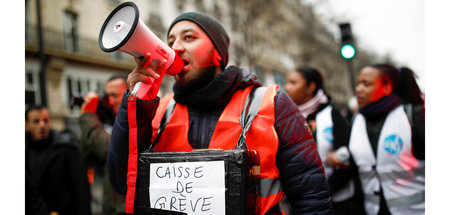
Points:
[[396, 27]]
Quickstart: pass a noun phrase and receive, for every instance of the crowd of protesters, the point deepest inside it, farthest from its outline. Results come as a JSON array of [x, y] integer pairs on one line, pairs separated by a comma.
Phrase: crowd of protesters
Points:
[[313, 159]]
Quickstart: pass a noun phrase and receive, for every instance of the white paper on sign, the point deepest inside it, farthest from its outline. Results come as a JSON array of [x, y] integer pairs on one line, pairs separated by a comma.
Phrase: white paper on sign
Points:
[[196, 188]]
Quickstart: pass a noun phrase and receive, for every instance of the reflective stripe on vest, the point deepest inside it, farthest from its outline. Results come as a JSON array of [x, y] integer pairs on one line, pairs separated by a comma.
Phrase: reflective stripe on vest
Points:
[[397, 171], [394, 175], [415, 198], [260, 137]]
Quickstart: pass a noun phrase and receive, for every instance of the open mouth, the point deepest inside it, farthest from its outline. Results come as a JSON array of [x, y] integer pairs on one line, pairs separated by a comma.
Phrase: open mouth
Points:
[[186, 65]]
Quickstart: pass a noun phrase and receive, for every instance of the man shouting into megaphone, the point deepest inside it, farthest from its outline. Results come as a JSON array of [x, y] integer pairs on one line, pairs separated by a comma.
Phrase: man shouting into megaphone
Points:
[[208, 100]]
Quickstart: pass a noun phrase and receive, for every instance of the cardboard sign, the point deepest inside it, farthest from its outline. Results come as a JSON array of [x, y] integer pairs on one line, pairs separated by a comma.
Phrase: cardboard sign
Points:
[[189, 187]]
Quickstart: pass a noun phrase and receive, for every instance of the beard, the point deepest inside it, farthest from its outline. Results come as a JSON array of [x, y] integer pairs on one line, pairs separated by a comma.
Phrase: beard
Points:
[[203, 77]]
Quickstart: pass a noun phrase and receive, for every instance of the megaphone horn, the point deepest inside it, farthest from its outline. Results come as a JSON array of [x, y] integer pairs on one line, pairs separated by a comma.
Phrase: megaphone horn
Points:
[[124, 31]]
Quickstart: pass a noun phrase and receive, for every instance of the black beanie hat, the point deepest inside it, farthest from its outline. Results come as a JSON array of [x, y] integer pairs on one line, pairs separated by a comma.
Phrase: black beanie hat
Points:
[[215, 31]]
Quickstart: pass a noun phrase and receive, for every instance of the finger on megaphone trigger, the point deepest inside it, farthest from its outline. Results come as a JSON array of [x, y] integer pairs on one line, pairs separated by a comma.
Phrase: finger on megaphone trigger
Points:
[[150, 72], [145, 61], [159, 67], [155, 63], [142, 77]]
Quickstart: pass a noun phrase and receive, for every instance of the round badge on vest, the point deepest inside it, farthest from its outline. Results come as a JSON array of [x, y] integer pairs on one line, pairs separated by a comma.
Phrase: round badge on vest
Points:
[[393, 144], [328, 134]]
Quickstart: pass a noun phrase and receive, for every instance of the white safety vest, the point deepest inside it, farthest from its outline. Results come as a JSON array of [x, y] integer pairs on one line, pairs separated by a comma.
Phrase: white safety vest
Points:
[[325, 140], [399, 173]]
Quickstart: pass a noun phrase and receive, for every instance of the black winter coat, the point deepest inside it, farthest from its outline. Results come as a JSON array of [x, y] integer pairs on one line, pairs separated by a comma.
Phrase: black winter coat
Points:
[[55, 177], [301, 170]]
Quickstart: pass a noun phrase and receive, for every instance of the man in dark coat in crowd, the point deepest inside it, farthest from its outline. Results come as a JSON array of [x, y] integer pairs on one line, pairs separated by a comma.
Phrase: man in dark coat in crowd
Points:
[[54, 175]]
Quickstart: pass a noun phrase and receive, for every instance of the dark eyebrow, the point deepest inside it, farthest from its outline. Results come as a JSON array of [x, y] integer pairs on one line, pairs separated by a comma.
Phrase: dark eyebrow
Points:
[[183, 32]]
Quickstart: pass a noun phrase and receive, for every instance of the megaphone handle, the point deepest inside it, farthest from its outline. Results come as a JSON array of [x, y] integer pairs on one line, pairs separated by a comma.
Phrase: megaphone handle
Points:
[[154, 89], [136, 88], [148, 91], [141, 89]]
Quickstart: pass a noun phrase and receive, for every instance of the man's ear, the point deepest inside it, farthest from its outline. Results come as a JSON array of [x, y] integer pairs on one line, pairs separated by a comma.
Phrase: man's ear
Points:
[[217, 58]]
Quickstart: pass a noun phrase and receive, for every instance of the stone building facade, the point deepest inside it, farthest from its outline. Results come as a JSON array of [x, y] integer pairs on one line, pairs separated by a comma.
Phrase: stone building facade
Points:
[[269, 38]]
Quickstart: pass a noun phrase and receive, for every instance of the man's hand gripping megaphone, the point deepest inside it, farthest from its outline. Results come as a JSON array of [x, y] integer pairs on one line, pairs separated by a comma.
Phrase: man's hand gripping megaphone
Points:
[[145, 79]]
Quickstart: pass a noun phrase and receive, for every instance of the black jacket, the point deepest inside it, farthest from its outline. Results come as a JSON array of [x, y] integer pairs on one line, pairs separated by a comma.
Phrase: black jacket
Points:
[[341, 134], [301, 170], [340, 177], [55, 177]]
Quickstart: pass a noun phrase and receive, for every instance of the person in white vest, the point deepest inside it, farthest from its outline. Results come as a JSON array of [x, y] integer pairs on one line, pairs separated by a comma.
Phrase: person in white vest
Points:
[[331, 132], [387, 140]]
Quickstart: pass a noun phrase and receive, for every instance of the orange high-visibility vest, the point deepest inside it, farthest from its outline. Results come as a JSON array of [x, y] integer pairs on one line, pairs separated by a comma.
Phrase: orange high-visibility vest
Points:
[[261, 137]]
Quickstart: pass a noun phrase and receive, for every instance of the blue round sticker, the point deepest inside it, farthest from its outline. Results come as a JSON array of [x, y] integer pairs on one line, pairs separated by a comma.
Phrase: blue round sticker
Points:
[[328, 134], [393, 144]]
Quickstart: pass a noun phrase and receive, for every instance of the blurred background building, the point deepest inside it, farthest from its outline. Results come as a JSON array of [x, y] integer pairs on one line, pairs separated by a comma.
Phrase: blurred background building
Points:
[[269, 38]]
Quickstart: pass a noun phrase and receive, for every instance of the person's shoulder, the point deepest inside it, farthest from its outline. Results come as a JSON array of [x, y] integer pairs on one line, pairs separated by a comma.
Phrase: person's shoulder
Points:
[[284, 106], [88, 115], [282, 97], [65, 138]]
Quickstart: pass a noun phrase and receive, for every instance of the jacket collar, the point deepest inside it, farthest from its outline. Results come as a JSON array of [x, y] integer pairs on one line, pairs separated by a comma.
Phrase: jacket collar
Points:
[[218, 92]]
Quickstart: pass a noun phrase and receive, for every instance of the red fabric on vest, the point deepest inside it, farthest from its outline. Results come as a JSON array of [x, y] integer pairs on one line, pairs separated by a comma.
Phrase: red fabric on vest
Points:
[[228, 128], [176, 132], [132, 156], [261, 137]]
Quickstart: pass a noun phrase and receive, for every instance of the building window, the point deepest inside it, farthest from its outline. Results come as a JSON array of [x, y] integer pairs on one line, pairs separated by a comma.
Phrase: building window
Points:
[[78, 86], [32, 90], [70, 31]]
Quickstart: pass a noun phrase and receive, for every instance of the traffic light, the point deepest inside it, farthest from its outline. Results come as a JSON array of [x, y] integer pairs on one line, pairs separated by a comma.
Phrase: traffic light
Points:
[[348, 50]]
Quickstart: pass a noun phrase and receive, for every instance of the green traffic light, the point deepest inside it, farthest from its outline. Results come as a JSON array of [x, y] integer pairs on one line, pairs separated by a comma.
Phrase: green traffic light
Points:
[[348, 51]]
